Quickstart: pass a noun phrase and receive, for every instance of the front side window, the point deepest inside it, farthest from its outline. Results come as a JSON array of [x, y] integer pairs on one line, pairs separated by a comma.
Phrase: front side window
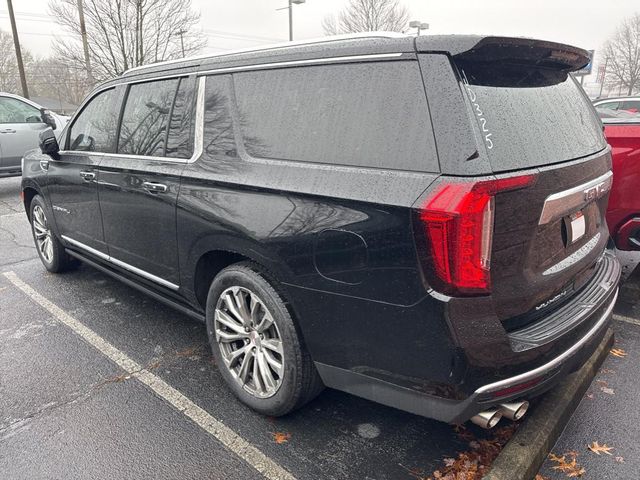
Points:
[[365, 114], [13, 110], [94, 129], [143, 130]]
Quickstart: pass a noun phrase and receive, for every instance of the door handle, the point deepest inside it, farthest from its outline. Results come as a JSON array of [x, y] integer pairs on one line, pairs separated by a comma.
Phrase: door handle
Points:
[[87, 176], [7, 130], [153, 187]]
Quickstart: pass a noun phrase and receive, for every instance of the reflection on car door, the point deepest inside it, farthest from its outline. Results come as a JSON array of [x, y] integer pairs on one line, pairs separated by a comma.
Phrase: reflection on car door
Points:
[[20, 127], [138, 186], [72, 179]]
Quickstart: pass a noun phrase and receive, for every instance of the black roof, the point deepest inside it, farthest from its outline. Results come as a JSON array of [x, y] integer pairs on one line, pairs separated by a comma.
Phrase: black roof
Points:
[[464, 47]]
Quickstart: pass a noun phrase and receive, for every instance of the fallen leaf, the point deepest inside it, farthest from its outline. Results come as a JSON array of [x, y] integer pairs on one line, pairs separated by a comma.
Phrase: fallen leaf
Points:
[[577, 473], [596, 448], [590, 396], [618, 352], [607, 370], [608, 391], [602, 382], [620, 459], [281, 437], [541, 477], [569, 467]]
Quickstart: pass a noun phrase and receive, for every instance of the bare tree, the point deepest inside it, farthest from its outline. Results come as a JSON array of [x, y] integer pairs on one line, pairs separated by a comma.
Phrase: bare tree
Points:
[[127, 33], [623, 54], [8, 65], [367, 16]]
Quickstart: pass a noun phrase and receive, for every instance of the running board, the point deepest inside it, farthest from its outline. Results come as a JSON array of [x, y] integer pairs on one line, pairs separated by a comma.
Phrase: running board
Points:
[[175, 305]]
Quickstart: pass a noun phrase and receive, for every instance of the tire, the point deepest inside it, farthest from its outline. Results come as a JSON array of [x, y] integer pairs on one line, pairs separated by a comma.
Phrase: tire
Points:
[[270, 325], [51, 252]]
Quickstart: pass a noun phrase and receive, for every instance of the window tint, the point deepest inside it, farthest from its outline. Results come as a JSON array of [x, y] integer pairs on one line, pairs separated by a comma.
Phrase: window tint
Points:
[[218, 129], [368, 114], [143, 130], [530, 116], [94, 129], [632, 106], [180, 138], [608, 106], [13, 110]]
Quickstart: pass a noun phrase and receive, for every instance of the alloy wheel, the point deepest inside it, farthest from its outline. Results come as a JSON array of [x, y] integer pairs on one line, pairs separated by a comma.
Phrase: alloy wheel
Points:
[[42, 234], [249, 341]]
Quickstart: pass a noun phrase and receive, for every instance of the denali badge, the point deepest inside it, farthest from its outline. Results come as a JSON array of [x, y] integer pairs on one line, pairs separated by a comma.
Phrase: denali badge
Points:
[[551, 300]]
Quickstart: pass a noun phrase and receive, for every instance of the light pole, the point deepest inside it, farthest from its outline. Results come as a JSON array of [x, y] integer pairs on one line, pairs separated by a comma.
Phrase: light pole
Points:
[[419, 25], [290, 7], [604, 75]]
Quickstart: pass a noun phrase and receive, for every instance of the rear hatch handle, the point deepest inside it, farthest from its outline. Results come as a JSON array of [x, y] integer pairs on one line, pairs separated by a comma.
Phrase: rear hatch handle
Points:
[[562, 203]]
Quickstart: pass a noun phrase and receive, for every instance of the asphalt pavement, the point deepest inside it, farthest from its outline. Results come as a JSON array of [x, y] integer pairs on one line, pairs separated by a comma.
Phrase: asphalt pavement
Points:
[[100, 381], [608, 413]]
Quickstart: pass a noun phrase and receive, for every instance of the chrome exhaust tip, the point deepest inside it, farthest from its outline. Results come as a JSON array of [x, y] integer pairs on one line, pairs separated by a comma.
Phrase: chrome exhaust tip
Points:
[[514, 410], [488, 418]]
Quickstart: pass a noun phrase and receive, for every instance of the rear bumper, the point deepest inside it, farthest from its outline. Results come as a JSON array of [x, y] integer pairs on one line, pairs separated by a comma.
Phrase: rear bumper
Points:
[[524, 385]]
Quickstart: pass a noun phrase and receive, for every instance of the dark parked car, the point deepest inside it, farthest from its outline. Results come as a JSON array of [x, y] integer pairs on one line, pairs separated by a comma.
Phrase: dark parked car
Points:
[[417, 221], [621, 119]]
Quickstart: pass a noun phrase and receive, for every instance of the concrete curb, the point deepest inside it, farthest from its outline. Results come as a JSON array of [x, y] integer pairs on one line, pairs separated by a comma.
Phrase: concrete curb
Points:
[[524, 454]]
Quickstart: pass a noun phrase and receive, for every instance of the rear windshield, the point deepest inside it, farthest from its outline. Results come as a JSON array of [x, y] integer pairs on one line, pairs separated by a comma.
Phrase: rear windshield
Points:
[[530, 116]]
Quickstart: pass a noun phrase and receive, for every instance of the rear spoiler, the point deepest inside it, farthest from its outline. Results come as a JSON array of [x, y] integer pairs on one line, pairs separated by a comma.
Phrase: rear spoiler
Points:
[[471, 48]]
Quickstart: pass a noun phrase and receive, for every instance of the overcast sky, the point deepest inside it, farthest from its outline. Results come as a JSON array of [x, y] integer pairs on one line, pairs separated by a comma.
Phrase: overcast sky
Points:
[[244, 23]]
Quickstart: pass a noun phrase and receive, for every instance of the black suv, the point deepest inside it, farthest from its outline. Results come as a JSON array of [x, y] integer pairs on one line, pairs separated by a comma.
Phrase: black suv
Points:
[[417, 221]]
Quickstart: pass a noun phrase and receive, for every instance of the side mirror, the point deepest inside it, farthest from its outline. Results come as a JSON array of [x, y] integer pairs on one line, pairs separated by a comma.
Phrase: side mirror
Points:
[[49, 143], [48, 118]]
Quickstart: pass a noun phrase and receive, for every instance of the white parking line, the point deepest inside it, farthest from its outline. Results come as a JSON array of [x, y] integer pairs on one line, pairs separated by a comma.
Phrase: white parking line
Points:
[[622, 318], [203, 419]]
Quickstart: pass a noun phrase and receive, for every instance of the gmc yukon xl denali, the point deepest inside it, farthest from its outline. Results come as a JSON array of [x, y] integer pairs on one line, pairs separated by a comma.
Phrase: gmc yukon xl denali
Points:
[[417, 221]]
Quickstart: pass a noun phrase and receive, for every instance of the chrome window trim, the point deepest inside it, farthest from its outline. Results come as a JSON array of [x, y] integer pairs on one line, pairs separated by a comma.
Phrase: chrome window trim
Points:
[[197, 141], [311, 61], [558, 204], [120, 263], [543, 369], [275, 46]]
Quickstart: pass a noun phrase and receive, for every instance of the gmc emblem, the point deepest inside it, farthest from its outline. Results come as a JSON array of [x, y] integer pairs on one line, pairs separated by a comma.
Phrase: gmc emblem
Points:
[[597, 191]]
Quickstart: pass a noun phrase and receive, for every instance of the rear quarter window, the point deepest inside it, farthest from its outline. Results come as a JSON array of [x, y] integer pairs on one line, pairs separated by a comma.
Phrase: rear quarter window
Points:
[[529, 116], [365, 115]]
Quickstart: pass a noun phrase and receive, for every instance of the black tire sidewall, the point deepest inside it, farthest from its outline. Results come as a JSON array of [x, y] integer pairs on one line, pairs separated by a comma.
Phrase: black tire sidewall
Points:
[[288, 395]]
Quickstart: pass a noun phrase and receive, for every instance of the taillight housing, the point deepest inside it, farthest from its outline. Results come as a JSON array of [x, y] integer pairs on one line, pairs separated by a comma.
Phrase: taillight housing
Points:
[[457, 219]]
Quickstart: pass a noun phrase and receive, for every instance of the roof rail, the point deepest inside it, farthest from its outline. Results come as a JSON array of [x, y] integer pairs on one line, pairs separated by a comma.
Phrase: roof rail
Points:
[[275, 46]]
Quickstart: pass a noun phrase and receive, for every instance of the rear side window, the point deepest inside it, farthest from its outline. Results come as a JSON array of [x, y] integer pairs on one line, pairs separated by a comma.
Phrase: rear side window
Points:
[[94, 129], [530, 116], [367, 114], [143, 130]]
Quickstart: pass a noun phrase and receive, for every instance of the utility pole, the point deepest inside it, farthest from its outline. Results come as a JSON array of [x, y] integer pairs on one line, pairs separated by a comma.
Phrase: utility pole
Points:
[[85, 45], [16, 43], [181, 33], [290, 21]]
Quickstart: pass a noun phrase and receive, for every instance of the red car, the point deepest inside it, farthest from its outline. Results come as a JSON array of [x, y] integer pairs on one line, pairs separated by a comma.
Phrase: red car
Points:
[[622, 129]]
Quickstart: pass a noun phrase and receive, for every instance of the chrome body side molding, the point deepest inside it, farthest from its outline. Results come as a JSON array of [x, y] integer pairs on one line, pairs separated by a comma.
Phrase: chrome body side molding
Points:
[[121, 264]]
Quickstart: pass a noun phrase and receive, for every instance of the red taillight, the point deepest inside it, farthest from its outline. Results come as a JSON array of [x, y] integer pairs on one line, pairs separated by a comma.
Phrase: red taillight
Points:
[[458, 223]]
